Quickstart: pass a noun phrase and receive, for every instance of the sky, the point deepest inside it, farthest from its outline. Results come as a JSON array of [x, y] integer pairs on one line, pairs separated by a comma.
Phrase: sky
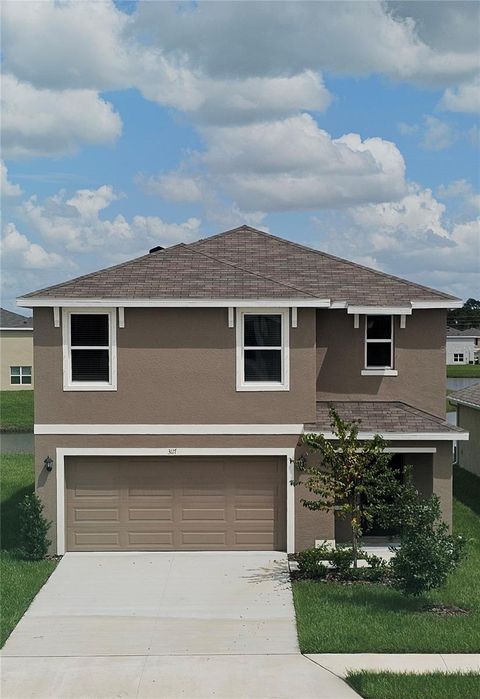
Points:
[[351, 127]]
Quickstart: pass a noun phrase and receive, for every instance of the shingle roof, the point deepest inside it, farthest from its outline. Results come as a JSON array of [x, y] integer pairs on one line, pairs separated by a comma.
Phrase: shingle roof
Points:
[[382, 417], [12, 321], [469, 332], [469, 396], [243, 263]]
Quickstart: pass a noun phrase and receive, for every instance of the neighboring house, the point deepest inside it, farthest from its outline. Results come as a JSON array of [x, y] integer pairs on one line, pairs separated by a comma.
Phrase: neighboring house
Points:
[[467, 401], [172, 391], [463, 346], [16, 351]]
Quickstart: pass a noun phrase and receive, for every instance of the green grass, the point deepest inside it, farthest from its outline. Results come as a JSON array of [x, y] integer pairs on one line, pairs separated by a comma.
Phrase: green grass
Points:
[[463, 370], [449, 407], [19, 580], [432, 685], [334, 618], [16, 411]]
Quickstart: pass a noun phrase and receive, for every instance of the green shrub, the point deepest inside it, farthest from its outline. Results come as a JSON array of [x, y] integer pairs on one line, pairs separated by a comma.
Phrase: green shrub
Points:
[[341, 560], [310, 562], [428, 553], [33, 528]]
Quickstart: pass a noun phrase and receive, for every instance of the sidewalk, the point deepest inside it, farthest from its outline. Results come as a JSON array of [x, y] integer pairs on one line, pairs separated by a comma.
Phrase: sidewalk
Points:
[[341, 663]]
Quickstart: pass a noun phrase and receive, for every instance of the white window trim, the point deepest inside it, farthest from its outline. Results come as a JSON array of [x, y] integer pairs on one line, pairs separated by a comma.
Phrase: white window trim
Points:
[[20, 375], [68, 384], [62, 452], [379, 370], [283, 385]]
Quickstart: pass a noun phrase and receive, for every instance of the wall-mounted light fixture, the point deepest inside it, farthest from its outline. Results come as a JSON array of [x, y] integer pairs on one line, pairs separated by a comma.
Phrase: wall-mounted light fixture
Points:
[[48, 463]]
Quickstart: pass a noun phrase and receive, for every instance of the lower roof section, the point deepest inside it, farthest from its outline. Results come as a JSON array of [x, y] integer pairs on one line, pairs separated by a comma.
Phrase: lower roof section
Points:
[[392, 420]]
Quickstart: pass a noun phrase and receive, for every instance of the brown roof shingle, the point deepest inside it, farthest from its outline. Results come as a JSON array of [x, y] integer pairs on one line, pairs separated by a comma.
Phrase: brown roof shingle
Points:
[[470, 395], [243, 263], [381, 417]]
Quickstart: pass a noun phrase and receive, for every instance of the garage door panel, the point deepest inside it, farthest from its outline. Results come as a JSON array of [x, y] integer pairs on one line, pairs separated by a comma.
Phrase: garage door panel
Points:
[[152, 514], [175, 503]]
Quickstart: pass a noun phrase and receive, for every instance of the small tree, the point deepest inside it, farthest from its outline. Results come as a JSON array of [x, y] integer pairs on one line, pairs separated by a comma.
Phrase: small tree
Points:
[[353, 477], [33, 528], [428, 552]]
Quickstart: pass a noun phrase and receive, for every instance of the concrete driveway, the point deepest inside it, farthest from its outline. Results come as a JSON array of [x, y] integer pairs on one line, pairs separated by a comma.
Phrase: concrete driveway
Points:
[[163, 625]]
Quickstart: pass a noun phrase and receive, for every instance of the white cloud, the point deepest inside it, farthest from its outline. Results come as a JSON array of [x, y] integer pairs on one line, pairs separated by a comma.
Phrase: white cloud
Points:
[[66, 45], [6, 187], [287, 38], [47, 122], [462, 98], [74, 224], [173, 186], [260, 99], [18, 252], [437, 134], [412, 238], [293, 164], [462, 190]]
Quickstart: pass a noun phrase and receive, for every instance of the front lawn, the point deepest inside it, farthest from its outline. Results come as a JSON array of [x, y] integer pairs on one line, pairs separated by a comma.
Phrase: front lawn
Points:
[[463, 370], [434, 685], [372, 618], [16, 411], [20, 580]]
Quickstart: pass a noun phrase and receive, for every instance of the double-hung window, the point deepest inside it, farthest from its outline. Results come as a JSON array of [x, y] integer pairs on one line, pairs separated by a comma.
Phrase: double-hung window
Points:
[[89, 350], [262, 350], [458, 357], [20, 375], [379, 345]]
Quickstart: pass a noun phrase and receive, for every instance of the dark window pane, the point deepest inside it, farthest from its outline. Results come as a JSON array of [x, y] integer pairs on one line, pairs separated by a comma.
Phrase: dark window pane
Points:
[[26, 379], [263, 365], [379, 327], [90, 365], [15, 370], [378, 354], [263, 330], [89, 329], [26, 370], [14, 380]]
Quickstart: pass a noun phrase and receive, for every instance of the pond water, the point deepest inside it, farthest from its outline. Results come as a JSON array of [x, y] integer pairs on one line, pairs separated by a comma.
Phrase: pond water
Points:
[[16, 442], [456, 383]]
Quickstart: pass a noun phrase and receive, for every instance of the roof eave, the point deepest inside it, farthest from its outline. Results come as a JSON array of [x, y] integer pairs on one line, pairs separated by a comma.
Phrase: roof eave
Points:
[[452, 436], [295, 301]]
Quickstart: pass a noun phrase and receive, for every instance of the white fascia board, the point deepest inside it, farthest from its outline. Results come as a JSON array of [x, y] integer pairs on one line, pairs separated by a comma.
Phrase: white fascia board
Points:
[[380, 310], [454, 303], [134, 429], [24, 329], [298, 302], [461, 401], [404, 436]]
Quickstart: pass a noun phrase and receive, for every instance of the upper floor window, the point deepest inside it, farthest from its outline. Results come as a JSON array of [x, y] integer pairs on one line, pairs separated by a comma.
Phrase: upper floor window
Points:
[[262, 350], [89, 350], [20, 375], [379, 348]]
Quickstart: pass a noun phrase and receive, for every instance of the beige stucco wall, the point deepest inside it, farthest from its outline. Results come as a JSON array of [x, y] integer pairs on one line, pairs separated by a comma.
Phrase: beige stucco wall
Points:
[[16, 349], [469, 452], [419, 359], [174, 366]]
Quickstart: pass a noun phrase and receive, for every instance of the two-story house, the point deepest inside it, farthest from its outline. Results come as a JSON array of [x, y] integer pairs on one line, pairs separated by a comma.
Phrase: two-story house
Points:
[[172, 391]]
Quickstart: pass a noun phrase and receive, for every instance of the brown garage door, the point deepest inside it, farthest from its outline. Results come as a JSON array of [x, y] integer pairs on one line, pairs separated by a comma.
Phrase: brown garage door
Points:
[[175, 503]]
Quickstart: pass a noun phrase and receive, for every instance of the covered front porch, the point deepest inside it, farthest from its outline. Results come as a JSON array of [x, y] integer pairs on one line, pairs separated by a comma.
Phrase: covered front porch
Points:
[[417, 440]]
